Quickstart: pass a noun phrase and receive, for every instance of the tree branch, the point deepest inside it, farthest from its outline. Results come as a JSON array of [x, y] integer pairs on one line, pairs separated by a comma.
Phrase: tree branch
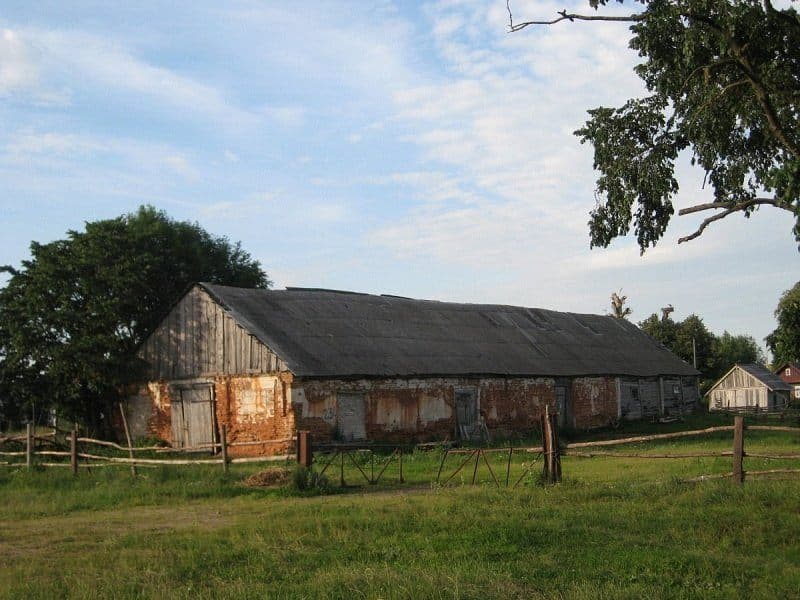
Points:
[[755, 81], [729, 209], [565, 16], [741, 205]]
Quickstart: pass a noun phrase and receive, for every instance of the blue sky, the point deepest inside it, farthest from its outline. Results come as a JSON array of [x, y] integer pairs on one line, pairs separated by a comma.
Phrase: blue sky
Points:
[[388, 147]]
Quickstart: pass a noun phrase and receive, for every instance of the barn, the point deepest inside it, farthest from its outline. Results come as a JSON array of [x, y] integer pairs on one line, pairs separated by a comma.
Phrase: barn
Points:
[[352, 366], [748, 386]]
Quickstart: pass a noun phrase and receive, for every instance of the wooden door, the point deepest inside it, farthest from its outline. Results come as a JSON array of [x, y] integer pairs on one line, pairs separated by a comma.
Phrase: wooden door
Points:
[[467, 413], [351, 417], [561, 405], [192, 414]]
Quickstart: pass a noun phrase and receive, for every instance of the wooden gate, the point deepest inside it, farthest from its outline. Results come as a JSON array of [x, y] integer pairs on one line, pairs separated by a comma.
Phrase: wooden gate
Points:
[[351, 417], [192, 413]]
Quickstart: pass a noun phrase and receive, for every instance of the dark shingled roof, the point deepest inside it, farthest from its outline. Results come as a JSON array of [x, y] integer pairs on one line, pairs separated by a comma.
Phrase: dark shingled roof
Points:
[[325, 333], [767, 377]]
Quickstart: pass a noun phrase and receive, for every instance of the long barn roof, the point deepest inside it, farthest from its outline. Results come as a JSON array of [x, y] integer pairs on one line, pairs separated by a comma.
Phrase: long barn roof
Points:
[[326, 333]]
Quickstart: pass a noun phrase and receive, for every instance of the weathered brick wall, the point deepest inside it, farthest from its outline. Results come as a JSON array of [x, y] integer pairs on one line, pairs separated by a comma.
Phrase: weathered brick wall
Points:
[[423, 409], [594, 401], [253, 408]]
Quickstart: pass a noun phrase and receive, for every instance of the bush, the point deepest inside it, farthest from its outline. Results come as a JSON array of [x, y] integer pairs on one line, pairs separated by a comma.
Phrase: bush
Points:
[[307, 479]]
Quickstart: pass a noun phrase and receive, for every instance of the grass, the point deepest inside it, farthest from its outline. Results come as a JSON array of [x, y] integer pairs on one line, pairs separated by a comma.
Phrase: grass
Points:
[[615, 527]]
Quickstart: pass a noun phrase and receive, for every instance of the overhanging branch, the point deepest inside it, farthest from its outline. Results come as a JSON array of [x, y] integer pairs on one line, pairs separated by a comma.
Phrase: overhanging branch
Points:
[[565, 16], [729, 209]]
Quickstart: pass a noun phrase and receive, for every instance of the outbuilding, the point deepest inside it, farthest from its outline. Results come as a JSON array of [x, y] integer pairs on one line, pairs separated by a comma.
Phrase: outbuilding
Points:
[[353, 366], [748, 386]]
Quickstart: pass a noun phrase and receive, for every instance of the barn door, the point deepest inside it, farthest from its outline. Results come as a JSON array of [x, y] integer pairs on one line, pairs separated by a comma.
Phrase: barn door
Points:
[[351, 417], [467, 414], [192, 414], [561, 405]]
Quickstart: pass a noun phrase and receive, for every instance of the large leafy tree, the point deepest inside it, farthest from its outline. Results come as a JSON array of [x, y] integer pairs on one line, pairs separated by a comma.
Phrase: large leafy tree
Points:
[[72, 316], [723, 83], [715, 354], [784, 342], [729, 349]]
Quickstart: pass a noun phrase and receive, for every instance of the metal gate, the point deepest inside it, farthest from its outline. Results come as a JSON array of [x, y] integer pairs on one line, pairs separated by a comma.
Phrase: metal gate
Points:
[[351, 416], [192, 413]]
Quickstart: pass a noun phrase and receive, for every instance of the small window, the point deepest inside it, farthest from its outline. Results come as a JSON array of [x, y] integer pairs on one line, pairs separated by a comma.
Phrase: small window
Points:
[[788, 371], [676, 390], [797, 392]]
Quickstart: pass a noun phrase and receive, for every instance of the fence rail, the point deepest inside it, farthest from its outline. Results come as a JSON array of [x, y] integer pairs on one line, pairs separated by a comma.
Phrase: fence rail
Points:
[[331, 455], [95, 460]]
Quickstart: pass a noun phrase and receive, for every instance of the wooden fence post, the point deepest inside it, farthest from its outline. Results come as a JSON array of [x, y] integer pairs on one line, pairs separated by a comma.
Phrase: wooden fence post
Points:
[[304, 451], [738, 450], [224, 440], [551, 469], [545, 447], [556, 449], [73, 450], [29, 446], [127, 437]]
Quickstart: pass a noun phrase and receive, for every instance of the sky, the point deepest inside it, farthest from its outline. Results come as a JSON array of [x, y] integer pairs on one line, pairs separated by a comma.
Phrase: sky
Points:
[[409, 148]]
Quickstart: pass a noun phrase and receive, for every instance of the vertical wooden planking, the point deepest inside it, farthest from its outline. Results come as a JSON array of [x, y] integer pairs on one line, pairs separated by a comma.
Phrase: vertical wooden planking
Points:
[[219, 341]]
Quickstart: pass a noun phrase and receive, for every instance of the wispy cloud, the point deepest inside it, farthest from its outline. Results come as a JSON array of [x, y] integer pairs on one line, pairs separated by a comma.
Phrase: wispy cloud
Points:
[[86, 63], [18, 67]]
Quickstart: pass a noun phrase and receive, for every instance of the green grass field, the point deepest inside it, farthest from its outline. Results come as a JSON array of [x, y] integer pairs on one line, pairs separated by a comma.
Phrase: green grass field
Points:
[[613, 528]]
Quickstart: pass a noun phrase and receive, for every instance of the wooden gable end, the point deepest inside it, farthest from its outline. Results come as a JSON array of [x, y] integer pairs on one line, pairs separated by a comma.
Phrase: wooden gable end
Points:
[[199, 338], [738, 378]]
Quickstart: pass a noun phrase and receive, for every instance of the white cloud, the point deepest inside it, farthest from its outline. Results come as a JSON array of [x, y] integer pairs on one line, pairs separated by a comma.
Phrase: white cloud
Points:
[[288, 116], [18, 67], [66, 61], [510, 180], [181, 165]]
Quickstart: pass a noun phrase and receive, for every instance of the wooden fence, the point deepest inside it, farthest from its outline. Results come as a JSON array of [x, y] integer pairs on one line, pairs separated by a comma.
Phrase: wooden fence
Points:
[[49, 449], [550, 452], [737, 453]]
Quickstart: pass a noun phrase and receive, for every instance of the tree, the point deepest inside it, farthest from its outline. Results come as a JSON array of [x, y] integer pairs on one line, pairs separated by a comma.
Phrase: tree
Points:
[[685, 338], [784, 342], [723, 78], [73, 315], [729, 349], [618, 308]]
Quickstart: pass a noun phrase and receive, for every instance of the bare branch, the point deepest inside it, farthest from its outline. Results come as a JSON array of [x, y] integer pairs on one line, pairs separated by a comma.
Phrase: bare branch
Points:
[[572, 17], [741, 205], [729, 209]]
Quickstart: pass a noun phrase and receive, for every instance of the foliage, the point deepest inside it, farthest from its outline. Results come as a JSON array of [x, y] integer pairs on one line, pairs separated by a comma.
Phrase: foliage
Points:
[[618, 308], [784, 342], [723, 84], [305, 479], [729, 349], [73, 314], [715, 354]]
